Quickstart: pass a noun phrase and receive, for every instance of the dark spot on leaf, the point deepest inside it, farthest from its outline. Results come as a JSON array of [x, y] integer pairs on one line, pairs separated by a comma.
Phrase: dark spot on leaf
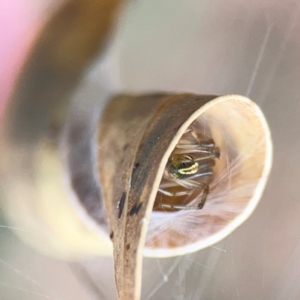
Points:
[[135, 167], [127, 246], [135, 209], [121, 204], [111, 235]]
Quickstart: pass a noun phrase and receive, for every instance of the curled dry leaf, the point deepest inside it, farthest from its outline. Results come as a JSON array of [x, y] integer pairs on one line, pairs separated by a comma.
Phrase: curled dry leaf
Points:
[[55, 196], [138, 137]]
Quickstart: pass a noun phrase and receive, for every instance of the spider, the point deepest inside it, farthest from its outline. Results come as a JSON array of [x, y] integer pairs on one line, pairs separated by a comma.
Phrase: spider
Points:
[[184, 166]]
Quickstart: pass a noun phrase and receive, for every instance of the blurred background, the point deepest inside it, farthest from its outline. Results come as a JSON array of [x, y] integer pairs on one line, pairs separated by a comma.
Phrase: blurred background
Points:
[[250, 48]]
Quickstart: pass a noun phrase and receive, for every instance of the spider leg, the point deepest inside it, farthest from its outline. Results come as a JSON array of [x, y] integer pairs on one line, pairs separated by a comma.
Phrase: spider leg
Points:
[[200, 205], [190, 184], [176, 194], [206, 173], [193, 133], [214, 153], [207, 147], [207, 144], [189, 149], [192, 140]]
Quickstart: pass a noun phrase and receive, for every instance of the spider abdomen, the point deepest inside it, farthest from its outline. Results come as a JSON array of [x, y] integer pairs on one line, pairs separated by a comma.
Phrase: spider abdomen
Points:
[[183, 166]]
